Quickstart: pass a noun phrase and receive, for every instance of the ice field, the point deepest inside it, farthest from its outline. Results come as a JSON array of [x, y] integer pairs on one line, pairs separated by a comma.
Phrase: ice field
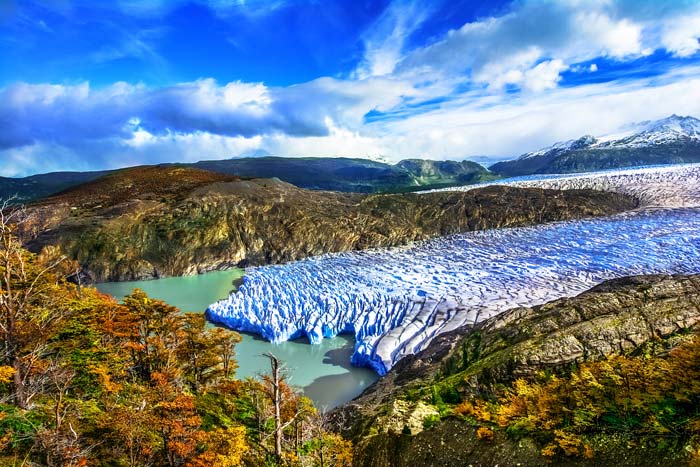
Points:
[[396, 301]]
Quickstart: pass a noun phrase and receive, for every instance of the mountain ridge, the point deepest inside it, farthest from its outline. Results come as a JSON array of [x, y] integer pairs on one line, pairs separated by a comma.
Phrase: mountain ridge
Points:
[[316, 173], [671, 140]]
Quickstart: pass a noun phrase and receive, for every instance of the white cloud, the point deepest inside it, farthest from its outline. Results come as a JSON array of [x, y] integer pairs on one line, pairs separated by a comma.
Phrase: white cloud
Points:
[[543, 76], [681, 35], [385, 40], [617, 39], [502, 126], [339, 142], [538, 78], [501, 50], [473, 125]]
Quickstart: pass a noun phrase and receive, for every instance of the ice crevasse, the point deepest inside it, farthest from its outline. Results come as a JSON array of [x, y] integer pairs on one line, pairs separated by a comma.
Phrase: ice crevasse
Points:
[[397, 300]]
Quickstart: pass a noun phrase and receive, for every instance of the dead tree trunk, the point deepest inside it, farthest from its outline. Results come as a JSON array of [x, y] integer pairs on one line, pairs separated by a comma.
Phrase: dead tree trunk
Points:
[[277, 402]]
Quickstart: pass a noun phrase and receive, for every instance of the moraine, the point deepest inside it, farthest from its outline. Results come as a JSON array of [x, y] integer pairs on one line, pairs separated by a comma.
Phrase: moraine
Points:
[[396, 301]]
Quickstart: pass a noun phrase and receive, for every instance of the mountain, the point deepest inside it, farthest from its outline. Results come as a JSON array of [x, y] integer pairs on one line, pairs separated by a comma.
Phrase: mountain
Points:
[[42, 185], [672, 140], [150, 222], [352, 175], [428, 172], [323, 173]]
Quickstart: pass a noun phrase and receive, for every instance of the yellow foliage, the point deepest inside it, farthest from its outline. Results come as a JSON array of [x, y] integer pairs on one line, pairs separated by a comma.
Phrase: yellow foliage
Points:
[[480, 410], [465, 408], [484, 433], [6, 373], [549, 450], [105, 378], [227, 446], [623, 391], [568, 442]]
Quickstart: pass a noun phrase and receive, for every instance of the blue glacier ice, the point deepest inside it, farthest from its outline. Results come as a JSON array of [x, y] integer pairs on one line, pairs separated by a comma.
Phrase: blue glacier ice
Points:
[[397, 300]]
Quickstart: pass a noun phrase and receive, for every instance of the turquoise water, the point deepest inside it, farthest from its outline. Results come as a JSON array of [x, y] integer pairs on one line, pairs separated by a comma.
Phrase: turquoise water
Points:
[[322, 371]]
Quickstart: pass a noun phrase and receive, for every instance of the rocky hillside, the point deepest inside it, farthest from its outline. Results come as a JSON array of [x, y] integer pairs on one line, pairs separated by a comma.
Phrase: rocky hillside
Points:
[[448, 405], [672, 140], [164, 221], [353, 175]]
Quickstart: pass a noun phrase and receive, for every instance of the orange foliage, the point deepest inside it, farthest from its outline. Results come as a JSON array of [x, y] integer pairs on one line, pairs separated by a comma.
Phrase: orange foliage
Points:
[[650, 396], [485, 434]]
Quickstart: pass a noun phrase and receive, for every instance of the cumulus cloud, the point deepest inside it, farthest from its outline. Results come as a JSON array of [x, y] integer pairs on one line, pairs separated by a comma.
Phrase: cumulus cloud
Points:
[[493, 125], [682, 35], [69, 115], [502, 50], [488, 87]]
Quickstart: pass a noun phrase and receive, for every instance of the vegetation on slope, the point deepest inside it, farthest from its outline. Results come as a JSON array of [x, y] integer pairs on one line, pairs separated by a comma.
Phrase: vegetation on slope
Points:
[[39, 186], [165, 221], [86, 381], [145, 183], [323, 173], [606, 378], [353, 175]]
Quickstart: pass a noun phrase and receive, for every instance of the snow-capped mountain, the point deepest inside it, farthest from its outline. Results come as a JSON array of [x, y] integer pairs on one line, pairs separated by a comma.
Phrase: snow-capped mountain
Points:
[[669, 129], [562, 147], [671, 140]]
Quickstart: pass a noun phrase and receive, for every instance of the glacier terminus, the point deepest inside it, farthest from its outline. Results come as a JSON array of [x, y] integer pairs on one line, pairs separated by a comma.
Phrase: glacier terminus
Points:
[[396, 301]]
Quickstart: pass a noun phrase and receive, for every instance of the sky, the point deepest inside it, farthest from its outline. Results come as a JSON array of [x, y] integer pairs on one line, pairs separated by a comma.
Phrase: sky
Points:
[[87, 85]]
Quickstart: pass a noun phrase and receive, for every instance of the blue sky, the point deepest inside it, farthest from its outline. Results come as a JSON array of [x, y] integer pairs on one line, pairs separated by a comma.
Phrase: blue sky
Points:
[[92, 85]]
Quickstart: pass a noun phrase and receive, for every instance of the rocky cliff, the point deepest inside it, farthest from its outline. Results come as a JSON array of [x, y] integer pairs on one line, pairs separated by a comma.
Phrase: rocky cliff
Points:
[[166, 221], [388, 422]]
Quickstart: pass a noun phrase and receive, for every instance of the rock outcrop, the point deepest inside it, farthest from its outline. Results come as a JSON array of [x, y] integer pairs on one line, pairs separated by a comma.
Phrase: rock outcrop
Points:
[[617, 317]]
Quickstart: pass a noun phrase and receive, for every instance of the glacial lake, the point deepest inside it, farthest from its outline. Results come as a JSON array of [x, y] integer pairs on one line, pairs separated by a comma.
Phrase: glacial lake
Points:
[[323, 372]]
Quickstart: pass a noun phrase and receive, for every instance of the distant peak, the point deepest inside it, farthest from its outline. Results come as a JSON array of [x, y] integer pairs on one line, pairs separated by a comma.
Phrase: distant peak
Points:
[[254, 153], [675, 124], [561, 146]]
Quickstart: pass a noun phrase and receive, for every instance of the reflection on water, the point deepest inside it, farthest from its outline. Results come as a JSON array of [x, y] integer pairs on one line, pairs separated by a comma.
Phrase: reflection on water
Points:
[[322, 371]]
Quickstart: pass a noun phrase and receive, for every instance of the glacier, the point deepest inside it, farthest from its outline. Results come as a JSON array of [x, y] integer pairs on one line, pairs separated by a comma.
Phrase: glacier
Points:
[[397, 300]]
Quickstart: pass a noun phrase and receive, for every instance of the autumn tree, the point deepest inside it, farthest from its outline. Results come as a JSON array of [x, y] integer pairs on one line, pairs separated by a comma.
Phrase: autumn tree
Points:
[[322, 447], [155, 340], [32, 306], [207, 354]]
